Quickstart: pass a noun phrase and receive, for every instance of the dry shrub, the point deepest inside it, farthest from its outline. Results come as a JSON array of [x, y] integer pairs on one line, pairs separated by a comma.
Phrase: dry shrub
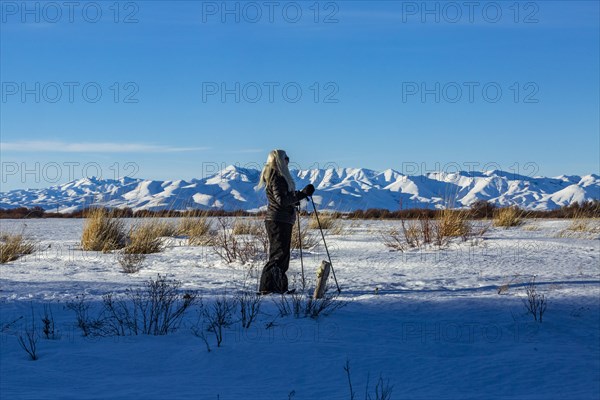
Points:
[[102, 231], [157, 308], [507, 217], [426, 231], [231, 248], [28, 339], [131, 262], [536, 302], [412, 234], [260, 234], [303, 237], [302, 305], [217, 318], [197, 228], [14, 246], [479, 230], [394, 240]]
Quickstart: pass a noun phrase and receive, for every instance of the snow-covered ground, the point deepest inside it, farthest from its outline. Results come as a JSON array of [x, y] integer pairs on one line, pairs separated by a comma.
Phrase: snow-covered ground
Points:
[[430, 321]]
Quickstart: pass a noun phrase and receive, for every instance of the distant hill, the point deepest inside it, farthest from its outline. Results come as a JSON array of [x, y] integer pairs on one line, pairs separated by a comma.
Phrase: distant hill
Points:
[[340, 189]]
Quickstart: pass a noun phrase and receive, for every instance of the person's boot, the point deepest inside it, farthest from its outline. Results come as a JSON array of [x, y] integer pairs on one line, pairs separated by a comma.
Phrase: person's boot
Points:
[[278, 281]]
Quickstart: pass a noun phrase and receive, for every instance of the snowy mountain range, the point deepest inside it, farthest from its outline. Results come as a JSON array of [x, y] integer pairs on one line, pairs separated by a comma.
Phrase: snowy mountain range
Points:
[[341, 189]]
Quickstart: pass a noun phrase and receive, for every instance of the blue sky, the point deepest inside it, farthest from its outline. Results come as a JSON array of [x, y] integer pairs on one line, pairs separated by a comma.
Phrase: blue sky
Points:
[[361, 68]]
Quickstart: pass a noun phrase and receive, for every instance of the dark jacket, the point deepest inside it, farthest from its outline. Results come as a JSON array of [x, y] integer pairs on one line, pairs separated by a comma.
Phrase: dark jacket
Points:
[[281, 200]]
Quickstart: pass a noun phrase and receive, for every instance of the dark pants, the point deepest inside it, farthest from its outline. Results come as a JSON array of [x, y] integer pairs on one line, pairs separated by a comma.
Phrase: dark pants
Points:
[[273, 278]]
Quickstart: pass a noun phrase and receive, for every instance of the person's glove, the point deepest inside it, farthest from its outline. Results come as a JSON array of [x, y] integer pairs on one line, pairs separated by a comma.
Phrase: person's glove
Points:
[[308, 190]]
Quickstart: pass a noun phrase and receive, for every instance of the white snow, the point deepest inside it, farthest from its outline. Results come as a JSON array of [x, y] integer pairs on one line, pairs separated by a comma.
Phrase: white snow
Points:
[[235, 188], [431, 321]]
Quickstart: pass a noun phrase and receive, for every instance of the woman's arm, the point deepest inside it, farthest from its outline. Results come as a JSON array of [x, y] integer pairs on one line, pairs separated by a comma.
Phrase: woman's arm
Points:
[[282, 195]]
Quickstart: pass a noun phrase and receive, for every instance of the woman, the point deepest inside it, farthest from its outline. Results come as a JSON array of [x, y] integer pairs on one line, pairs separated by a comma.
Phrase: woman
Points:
[[281, 215]]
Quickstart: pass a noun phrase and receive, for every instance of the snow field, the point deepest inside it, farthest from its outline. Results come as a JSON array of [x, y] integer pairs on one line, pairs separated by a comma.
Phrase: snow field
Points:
[[431, 321]]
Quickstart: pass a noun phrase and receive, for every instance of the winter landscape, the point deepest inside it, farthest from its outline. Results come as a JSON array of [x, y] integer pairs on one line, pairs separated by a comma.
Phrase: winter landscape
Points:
[[448, 319], [340, 189], [299, 200]]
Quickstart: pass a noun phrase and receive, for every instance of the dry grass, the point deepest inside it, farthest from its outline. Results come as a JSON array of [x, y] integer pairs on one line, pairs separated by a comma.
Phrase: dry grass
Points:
[[394, 240], [581, 223], [247, 227], [243, 249], [412, 234], [508, 217], [197, 228], [165, 228], [102, 232], [328, 221], [581, 227], [503, 288], [454, 223], [305, 237], [14, 246], [145, 238], [427, 231], [531, 228], [260, 234]]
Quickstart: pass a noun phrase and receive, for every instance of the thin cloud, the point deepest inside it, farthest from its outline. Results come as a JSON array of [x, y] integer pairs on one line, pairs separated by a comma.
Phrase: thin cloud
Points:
[[91, 147]]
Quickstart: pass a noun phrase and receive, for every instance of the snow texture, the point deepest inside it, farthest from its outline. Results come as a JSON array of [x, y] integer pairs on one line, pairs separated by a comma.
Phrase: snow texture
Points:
[[431, 321]]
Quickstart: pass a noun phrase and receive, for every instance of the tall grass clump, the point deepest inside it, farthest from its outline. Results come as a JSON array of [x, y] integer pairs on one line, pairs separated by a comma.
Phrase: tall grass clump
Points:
[[164, 228], [427, 231], [507, 217], [581, 226], [102, 231], [454, 223], [145, 238], [327, 221], [197, 228], [14, 246], [582, 223], [246, 227]]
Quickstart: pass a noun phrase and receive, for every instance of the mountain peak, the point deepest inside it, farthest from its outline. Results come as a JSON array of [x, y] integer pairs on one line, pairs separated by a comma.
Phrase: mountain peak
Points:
[[342, 189]]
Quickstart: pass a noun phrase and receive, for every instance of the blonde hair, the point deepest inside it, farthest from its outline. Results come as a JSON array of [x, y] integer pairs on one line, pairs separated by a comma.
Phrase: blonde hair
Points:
[[276, 163]]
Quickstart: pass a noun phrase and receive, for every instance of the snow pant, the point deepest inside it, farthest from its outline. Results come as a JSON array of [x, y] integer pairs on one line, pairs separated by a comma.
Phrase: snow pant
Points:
[[273, 278]]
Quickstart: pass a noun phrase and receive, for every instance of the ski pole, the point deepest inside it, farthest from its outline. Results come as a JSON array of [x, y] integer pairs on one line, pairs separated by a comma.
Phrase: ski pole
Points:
[[300, 243], [325, 244]]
